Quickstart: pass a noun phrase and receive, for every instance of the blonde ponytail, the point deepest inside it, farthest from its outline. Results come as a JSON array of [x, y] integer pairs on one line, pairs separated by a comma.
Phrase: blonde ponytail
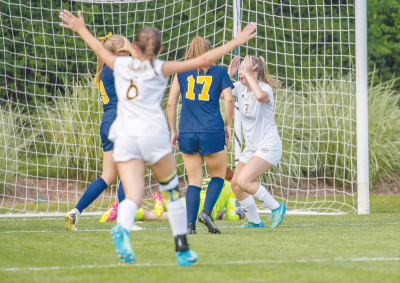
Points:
[[263, 74], [112, 43], [198, 47]]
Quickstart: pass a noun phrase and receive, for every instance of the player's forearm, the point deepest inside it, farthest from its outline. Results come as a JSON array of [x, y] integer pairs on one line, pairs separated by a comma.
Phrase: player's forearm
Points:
[[261, 95], [229, 108], [106, 56], [217, 53], [171, 114]]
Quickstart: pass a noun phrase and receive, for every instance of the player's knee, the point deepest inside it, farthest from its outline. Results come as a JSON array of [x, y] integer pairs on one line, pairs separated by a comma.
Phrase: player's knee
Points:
[[243, 182], [234, 185], [169, 187]]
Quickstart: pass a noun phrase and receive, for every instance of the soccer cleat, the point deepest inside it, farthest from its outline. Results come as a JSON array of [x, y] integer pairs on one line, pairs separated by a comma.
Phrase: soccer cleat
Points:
[[186, 258], [71, 220], [241, 213], [191, 229], [207, 220], [252, 225], [277, 215], [111, 214], [122, 244], [158, 204]]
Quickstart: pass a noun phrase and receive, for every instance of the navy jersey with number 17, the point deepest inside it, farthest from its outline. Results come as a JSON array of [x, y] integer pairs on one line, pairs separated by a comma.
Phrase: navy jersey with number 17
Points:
[[200, 99]]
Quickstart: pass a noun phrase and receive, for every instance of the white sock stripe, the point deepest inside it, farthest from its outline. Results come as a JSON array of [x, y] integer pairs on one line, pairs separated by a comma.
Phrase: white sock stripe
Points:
[[340, 259]]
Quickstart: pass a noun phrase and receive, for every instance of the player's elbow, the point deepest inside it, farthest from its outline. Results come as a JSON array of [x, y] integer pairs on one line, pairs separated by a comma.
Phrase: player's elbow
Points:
[[229, 99], [171, 104], [263, 97]]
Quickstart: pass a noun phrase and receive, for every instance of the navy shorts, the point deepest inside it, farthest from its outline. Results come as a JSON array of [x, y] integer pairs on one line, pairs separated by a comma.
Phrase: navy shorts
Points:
[[204, 143], [104, 129]]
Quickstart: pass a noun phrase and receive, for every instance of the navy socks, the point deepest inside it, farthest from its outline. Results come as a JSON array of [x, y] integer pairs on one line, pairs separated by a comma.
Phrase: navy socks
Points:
[[213, 191], [192, 203], [91, 194], [121, 193]]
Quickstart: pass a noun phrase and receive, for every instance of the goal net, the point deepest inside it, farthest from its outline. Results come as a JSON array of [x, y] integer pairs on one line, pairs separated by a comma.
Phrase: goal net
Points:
[[50, 111]]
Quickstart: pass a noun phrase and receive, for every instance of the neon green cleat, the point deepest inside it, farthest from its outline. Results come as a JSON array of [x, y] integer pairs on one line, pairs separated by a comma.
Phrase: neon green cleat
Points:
[[277, 215]]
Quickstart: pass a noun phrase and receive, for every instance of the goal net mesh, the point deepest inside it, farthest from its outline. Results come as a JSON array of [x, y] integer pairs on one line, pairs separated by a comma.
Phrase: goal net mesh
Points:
[[50, 111]]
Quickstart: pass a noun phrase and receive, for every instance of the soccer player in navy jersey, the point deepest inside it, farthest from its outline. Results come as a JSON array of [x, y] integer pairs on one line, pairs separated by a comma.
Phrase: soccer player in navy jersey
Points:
[[202, 131], [104, 79]]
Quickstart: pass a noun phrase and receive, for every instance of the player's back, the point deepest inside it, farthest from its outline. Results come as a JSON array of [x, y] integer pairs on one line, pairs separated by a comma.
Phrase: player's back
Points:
[[140, 89], [200, 99], [108, 94]]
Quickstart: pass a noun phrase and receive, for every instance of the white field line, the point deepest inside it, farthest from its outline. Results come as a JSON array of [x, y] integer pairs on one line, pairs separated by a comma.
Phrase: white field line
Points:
[[359, 259], [98, 213], [234, 227]]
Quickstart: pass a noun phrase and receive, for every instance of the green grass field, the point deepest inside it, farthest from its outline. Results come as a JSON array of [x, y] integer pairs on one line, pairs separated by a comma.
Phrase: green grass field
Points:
[[346, 248]]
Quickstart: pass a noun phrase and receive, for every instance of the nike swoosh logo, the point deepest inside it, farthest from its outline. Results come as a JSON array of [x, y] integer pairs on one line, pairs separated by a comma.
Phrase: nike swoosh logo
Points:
[[190, 258], [281, 211]]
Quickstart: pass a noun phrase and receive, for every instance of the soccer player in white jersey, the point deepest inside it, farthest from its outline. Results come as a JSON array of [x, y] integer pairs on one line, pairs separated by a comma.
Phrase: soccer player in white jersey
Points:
[[140, 131], [263, 144]]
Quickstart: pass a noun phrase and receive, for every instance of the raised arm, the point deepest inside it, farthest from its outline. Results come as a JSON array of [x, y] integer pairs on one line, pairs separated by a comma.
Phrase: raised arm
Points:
[[211, 56], [260, 94], [77, 24], [229, 108], [171, 110]]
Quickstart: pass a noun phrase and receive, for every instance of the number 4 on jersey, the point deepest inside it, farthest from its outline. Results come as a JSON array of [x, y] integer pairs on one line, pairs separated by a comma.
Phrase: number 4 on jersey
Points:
[[206, 80]]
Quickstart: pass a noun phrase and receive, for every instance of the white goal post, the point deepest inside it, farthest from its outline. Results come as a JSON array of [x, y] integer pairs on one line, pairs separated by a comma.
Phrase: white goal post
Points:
[[50, 147]]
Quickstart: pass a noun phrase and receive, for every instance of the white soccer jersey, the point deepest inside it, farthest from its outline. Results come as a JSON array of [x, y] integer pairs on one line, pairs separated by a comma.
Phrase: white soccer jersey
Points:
[[140, 89], [258, 121]]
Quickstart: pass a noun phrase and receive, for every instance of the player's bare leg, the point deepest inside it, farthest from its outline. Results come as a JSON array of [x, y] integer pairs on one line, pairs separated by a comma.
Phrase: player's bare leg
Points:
[[131, 173], [194, 168], [165, 172], [246, 182]]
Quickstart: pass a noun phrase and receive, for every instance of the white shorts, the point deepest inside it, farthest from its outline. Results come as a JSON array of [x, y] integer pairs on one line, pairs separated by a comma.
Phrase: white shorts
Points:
[[271, 156], [149, 149]]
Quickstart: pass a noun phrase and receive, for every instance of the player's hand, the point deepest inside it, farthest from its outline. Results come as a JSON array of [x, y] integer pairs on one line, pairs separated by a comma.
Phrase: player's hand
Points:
[[71, 22], [246, 34], [234, 66], [128, 47], [227, 134], [174, 138], [248, 65]]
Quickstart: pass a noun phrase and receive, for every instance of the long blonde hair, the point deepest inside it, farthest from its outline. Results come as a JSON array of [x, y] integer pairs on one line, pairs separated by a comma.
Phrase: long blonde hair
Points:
[[198, 47], [263, 74], [112, 43]]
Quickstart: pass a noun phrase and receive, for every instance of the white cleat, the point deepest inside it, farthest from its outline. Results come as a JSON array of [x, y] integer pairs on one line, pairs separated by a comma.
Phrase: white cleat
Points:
[[71, 220]]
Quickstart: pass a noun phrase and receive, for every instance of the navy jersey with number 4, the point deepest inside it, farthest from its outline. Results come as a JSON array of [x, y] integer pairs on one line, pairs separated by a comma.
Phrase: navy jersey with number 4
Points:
[[108, 94], [200, 99]]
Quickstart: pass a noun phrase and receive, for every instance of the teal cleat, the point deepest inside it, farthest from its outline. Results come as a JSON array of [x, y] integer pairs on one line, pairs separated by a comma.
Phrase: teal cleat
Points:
[[277, 215], [252, 225], [186, 258], [122, 244]]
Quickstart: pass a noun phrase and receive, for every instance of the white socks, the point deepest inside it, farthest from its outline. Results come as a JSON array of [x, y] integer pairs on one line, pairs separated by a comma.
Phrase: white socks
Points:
[[177, 217], [266, 199], [250, 209], [126, 213]]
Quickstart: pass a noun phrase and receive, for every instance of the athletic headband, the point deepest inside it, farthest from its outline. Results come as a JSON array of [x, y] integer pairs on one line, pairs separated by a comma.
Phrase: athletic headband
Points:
[[105, 37]]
